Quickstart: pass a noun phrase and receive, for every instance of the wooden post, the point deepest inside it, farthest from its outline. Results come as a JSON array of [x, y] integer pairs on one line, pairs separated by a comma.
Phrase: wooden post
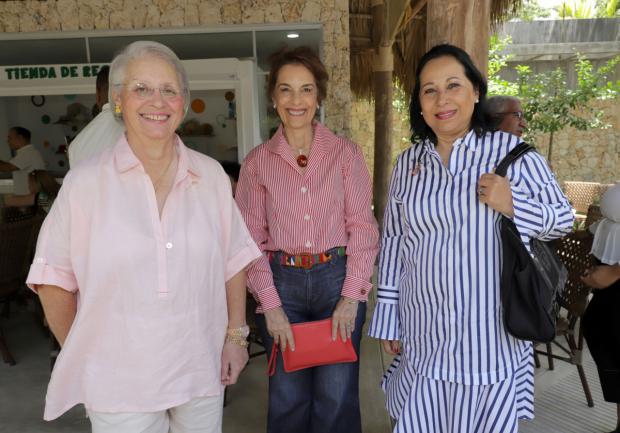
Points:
[[383, 67], [464, 23], [387, 17]]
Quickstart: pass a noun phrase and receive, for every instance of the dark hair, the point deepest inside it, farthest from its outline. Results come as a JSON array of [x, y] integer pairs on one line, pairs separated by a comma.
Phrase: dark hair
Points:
[[231, 168], [420, 129], [298, 56], [102, 79], [22, 132]]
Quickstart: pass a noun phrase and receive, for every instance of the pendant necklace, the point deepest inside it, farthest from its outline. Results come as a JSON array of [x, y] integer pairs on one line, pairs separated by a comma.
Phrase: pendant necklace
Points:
[[302, 160]]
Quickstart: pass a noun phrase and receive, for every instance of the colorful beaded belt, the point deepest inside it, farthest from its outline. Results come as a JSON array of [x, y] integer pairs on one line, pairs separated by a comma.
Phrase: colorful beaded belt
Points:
[[305, 261]]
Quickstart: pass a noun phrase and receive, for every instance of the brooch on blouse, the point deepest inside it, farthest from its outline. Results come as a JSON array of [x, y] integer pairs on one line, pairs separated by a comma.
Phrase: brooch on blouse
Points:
[[417, 167], [416, 170]]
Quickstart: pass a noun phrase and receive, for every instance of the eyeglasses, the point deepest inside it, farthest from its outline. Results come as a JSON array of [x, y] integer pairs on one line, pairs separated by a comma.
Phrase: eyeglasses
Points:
[[144, 91], [518, 114]]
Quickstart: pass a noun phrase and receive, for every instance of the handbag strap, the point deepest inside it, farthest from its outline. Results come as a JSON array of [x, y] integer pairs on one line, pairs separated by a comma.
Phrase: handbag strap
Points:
[[516, 153], [271, 366]]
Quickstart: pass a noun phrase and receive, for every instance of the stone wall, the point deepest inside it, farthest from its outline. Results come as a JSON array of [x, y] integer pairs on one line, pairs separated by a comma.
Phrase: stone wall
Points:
[[591, 156], [72, 15]]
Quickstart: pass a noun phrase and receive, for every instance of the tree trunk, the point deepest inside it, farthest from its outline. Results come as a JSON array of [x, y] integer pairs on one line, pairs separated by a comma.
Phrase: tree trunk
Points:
[[383, 140], [464, 23], [550, 149]]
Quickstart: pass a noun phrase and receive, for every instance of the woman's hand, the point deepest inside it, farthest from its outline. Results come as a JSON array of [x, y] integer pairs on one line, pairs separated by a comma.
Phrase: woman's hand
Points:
[[343, 319], [234, 358], [391, 346], [279, 328], [494, 191]]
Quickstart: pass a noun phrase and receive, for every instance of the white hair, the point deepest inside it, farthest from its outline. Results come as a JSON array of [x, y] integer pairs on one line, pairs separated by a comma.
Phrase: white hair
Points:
[[495, 106], [141, 49]]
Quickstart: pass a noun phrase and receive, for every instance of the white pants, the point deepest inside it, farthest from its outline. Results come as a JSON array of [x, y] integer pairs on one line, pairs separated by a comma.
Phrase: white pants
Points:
[[199, 415]]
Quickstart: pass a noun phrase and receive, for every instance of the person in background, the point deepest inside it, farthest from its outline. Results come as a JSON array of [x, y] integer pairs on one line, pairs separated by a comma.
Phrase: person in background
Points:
[[601, 321], [43, 190], [27, 158], [140, 267], [102, 132], [232, 169], [504, 113], [306, 196], [456, 369]]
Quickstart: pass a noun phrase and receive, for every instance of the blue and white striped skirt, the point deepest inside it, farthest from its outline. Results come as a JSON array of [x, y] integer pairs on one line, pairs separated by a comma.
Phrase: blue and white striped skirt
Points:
[[419, 404]]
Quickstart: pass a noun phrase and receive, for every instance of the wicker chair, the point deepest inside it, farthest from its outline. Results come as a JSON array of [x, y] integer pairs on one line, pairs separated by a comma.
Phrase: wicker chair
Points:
[[17, 240], [574, 251], [581, 195]]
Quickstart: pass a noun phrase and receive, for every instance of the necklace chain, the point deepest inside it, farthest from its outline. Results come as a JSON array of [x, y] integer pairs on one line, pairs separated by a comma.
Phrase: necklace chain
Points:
[[161, 176]]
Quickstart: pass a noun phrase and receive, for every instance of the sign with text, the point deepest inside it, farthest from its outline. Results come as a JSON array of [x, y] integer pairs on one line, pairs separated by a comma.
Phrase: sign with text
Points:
[[49, 72]]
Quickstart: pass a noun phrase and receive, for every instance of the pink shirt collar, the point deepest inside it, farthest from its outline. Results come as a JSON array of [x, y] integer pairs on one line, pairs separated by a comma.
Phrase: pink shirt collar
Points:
[[126, 160]]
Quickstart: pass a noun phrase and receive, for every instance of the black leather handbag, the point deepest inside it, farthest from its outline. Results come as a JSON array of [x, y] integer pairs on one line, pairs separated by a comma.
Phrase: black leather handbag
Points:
[[531, 284]]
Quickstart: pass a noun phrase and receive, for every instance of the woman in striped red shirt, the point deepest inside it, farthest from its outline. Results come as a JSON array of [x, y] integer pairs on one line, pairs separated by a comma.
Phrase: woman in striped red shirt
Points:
[[306, 198]]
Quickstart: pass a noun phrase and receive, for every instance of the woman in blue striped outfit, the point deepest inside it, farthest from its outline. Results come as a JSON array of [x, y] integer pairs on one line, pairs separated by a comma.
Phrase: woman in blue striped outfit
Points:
[[438, 309]]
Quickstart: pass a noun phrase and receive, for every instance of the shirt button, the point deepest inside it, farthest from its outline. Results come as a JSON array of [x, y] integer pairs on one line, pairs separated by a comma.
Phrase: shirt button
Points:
[[307, 217], [169, 245], [308, 244], [304, 189], [363, 291]]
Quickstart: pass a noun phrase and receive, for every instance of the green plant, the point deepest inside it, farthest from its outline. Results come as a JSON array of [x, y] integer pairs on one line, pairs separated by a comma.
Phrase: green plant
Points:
[[577, 9], [549, 104], [498, 60], [612, 8], [531, 10]]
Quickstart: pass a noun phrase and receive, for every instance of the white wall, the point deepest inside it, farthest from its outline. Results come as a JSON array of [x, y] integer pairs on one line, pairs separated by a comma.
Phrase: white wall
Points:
[[19, 111], [223, 144]]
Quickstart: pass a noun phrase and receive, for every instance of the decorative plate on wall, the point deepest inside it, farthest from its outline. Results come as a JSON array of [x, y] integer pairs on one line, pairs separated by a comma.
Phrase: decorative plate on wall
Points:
[[198, 105], [37, 100]]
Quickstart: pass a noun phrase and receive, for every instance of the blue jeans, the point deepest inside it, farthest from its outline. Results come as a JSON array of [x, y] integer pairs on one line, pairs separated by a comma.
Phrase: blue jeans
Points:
[[321, 399]]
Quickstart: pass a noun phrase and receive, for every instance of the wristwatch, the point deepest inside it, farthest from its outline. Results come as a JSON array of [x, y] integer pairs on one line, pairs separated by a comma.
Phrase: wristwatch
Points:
[[242, 331]]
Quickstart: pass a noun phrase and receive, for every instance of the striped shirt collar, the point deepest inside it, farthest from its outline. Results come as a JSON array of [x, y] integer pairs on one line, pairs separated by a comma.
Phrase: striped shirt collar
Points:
[[320, 141], [125, 159], [470, 140]]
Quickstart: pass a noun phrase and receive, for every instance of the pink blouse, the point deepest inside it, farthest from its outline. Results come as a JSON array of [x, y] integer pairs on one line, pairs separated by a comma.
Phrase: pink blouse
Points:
[[152, 312], [328, 205]]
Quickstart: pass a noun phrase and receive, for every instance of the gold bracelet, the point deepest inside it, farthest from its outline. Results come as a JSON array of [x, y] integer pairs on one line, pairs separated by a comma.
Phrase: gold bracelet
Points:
[[345, 299], [242, 331], [238, 340]]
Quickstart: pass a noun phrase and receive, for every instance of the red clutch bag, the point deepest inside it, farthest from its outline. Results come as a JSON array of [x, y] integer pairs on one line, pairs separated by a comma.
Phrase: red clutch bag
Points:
[[313, 347]]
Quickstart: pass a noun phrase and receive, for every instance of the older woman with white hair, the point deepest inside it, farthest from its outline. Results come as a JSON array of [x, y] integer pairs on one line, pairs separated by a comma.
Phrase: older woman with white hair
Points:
[[140, 267]]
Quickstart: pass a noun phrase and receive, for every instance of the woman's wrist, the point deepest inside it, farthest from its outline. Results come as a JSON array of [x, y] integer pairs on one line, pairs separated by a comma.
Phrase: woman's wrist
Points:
[[349, 300], [239, 331], [238, 335], [239, 341]]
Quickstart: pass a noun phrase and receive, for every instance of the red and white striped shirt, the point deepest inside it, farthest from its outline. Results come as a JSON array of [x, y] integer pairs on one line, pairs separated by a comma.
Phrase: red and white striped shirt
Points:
[[328, 205]]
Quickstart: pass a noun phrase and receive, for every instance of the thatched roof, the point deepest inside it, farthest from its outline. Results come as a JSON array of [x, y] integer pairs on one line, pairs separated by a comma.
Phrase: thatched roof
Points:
[[410, 42]]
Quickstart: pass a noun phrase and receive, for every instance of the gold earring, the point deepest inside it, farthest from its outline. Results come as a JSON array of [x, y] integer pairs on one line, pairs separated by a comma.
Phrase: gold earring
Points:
[[117, 109]]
